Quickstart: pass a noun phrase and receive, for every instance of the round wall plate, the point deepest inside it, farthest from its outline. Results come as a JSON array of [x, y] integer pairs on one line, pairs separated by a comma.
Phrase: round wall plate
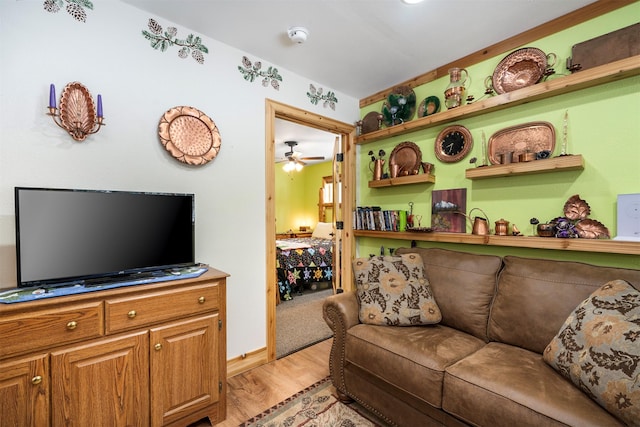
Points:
[[453, 143], [189, 135]]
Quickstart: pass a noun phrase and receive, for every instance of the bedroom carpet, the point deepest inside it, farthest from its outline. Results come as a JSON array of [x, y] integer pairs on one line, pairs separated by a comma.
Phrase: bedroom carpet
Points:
[[299, 322]]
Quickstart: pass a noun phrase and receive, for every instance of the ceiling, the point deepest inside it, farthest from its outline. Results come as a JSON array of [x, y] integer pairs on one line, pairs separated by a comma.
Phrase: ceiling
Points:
[[355, 47]]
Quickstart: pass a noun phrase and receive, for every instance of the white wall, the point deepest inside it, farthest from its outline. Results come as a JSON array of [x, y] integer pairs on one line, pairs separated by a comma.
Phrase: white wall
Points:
[[109, 55]]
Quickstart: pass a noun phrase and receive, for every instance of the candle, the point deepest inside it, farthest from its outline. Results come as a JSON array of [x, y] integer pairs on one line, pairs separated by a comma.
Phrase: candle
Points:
[[52, 96], [99, 105]]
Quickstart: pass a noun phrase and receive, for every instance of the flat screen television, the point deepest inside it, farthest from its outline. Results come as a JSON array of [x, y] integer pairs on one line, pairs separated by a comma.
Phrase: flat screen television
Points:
[[64, 235]]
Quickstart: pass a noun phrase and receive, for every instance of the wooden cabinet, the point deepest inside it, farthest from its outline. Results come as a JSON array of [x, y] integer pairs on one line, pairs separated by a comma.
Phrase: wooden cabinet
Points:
[[24, 392], [148, 355]]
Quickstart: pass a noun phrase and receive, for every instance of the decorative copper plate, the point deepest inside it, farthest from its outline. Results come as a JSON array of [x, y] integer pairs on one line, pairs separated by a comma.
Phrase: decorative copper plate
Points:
[[407, 156], [521, 68], [77, 110], [530, 137], [371, 122], [189, 135]]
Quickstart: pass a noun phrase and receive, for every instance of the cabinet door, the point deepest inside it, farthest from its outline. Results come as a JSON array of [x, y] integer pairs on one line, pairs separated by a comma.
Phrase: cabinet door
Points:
[[24, 392], [184, 369], [102, 383]]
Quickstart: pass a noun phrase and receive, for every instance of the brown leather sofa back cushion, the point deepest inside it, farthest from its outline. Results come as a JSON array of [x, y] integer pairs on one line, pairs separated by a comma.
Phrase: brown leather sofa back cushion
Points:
[[463, 286], [535, 297]]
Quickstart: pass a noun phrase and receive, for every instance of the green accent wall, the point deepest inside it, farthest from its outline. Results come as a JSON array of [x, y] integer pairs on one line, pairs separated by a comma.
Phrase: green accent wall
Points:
[[297, 194], [603, 126]]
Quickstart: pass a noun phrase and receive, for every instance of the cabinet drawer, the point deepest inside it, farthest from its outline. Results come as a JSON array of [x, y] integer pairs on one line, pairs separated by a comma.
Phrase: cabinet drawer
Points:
[[28, 332], [133, 312]]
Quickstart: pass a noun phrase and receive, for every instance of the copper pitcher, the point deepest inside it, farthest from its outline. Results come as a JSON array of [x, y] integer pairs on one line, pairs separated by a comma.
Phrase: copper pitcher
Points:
[[377, 168], [479, 225]]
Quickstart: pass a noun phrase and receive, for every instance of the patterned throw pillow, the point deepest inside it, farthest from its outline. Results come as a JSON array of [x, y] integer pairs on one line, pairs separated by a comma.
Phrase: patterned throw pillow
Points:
[[598, 349], [393, 291]]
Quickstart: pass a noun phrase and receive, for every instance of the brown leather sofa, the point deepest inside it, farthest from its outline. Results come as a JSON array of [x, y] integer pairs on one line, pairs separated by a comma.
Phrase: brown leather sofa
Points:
[[482, 364]]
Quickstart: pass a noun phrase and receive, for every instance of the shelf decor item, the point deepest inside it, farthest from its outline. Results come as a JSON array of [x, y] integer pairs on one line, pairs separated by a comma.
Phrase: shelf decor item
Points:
[[371, 122], [526, 138], [446, 206], [453, 143], [400, 106], [78, 115], [454, 94], [189, 135], [521, 68], [430, 105], [405, 159]]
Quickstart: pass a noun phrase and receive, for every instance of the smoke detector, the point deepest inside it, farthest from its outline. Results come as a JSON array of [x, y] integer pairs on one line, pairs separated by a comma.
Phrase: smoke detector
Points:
[[298, 34]]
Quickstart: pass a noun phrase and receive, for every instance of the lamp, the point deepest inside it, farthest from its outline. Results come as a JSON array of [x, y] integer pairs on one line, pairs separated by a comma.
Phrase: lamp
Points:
[[291, 165], [77, 114]]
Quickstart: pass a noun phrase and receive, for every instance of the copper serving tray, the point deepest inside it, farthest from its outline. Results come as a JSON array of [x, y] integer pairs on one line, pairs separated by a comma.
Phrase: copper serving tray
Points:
[[521, 68], [529, 137], [407, 156], [371, 122]]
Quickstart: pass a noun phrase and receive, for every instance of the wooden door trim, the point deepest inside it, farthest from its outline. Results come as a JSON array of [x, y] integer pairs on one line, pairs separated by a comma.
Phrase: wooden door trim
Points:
[[273, 110]]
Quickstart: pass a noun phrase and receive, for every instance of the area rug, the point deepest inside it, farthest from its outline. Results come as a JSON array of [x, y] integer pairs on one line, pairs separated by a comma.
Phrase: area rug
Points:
[[299, 322], [315, 406]]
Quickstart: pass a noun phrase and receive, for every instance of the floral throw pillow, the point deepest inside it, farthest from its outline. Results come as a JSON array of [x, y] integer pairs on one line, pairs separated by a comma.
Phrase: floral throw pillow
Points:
[[598, 349], [393, 291]]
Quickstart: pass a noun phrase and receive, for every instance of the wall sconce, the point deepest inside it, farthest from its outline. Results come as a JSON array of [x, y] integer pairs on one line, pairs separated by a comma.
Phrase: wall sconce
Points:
[[77, 115]]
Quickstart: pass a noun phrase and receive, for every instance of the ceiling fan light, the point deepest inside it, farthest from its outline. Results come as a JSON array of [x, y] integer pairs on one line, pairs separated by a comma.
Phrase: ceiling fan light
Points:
[[288, 167], [298, 167]]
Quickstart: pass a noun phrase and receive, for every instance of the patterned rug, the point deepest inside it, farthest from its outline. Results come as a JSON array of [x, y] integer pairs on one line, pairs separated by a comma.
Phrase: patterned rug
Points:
[[315, 406]]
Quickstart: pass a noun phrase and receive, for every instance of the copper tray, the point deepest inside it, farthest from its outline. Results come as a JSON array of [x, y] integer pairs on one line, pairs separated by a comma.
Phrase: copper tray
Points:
[[521, 68], [407, 156], [371, 122], [189, 135], [525, 138]]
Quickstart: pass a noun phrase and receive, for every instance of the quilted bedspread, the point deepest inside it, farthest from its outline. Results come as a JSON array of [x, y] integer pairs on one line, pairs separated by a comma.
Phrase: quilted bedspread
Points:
[[302, 261]]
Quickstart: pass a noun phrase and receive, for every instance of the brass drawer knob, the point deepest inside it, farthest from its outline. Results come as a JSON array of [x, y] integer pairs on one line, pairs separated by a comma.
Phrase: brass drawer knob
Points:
[[158, 347], [72, 325], [201, 300], [132, 314], [36, 380]]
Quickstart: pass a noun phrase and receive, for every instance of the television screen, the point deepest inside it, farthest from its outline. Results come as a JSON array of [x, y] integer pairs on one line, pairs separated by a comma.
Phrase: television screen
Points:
[[66, 235]]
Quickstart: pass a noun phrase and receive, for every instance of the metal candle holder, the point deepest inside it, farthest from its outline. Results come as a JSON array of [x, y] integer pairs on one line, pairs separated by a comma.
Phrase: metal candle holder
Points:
[[78, 115]]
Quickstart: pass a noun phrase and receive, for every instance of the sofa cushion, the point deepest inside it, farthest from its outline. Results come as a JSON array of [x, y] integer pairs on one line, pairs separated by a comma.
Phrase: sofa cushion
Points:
[[412, 359], [393, 291], [463, 284], [535, 297], [598, 349], [500, 383]]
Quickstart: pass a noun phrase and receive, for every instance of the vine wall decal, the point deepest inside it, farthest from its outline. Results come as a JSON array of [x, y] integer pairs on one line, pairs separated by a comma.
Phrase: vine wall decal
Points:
[[316, 95], [164, 40], [252, 70], [74, 8]]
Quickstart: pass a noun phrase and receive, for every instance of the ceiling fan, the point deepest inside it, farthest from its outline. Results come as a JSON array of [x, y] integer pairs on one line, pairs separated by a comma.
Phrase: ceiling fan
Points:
[[294, 159]]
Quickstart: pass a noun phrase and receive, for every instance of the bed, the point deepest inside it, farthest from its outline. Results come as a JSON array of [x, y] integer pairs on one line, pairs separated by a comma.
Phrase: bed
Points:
[[301, 262]]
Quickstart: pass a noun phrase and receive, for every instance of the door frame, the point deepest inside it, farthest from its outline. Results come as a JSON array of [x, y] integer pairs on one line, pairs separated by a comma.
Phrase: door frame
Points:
[[347, 132]]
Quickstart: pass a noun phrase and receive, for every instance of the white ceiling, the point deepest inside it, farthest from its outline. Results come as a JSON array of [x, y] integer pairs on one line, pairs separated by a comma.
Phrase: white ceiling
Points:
[[356, 47]]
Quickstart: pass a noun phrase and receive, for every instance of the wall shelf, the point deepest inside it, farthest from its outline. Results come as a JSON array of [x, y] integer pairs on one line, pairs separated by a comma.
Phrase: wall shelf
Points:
[[403, 180], [580, 245], [563, 163], [607, 73]]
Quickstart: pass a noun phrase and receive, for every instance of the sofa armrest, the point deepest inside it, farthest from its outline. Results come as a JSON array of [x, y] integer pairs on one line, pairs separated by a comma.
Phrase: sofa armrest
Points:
[[340, 311]]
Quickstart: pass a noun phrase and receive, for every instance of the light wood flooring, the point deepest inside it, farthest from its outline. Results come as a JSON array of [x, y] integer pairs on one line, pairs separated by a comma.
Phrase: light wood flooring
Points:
[[254, 391]]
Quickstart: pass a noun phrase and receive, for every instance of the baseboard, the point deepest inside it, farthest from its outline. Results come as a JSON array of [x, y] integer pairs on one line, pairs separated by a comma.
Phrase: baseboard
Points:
[[246, 362]]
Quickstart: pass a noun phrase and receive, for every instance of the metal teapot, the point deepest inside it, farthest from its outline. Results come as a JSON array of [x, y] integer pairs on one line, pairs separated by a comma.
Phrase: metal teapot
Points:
[[479, 225]]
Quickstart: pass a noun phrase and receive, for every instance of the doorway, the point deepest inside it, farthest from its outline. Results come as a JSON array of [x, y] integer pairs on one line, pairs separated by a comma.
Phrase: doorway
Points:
[[347, 133]]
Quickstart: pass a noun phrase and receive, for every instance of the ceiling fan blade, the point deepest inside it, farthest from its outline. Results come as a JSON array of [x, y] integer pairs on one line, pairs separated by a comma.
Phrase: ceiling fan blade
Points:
[[298, 161], [312, 158]]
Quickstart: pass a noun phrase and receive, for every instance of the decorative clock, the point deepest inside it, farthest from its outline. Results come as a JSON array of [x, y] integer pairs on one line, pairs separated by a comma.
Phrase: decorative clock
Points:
[[453, 144]]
